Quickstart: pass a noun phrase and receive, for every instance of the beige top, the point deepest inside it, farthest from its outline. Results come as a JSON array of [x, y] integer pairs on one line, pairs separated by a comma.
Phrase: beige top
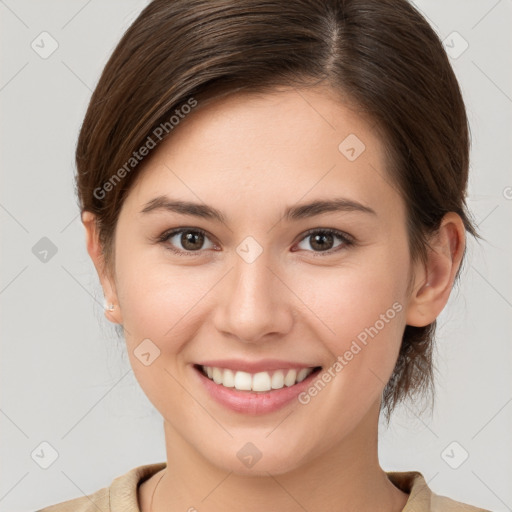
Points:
[[121, 496]]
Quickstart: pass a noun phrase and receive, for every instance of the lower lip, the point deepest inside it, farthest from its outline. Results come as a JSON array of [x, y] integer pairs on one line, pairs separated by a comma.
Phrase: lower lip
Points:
[[248, 402]]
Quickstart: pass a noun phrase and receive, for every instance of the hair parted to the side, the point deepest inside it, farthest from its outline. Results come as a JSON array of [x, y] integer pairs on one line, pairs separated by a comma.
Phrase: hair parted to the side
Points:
[[382, 58]]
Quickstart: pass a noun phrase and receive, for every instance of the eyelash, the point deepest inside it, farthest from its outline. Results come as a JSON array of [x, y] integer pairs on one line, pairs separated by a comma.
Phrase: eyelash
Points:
[[347, 240]]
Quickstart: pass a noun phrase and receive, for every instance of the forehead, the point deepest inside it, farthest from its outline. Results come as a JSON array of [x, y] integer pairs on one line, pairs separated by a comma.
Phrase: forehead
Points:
[[264, 147], [284, 117]]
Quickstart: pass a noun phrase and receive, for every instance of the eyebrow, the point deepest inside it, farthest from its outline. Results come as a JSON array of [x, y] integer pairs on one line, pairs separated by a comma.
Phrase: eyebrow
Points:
[[292, 213]]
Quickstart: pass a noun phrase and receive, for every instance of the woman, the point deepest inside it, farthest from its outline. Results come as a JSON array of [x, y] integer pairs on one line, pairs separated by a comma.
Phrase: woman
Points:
[[273, 195]]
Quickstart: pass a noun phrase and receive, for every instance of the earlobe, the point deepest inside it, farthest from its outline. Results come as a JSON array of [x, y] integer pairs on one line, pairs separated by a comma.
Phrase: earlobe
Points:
[[434, 281], [112, 309]]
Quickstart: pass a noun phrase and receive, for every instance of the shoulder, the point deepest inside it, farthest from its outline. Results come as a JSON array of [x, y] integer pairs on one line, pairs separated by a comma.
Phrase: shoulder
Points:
[[422, 498], [120, 496], [96, 501]]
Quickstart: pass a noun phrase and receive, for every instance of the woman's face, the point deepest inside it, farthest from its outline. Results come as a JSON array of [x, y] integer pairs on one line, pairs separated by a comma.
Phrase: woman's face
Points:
[[257, 286]]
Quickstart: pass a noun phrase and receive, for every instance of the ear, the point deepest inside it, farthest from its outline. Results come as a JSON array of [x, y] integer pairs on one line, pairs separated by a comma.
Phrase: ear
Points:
[[95, 251], [434, 280]]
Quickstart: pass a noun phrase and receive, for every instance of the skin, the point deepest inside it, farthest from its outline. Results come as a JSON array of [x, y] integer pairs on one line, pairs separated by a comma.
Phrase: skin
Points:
[[250, 156]]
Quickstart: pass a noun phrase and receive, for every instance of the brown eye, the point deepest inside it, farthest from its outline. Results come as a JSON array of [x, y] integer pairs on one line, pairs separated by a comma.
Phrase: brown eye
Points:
[[323, 240], [185, 240], [191, 241]]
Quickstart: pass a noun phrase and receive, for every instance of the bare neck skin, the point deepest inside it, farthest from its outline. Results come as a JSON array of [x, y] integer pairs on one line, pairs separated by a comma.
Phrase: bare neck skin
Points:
[[347, 478]]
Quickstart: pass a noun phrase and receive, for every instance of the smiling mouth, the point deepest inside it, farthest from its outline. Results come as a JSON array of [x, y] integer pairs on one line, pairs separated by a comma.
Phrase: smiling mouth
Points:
[[260, 382]]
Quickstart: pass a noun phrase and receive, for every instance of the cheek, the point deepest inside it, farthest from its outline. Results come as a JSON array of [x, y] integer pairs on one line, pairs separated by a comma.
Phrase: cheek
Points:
[[362, 315], [157, 304], [159, 300], [362, 309], [355, 297]]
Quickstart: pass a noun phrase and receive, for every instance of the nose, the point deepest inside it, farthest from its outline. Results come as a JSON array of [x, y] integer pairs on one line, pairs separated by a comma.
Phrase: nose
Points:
[[254, 302]]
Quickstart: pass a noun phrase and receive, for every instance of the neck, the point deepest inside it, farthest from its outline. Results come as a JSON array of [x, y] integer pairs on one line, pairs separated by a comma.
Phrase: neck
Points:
[[344, 477]]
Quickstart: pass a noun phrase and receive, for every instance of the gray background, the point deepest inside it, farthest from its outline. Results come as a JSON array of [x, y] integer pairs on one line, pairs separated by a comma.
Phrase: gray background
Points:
[[65, 378]]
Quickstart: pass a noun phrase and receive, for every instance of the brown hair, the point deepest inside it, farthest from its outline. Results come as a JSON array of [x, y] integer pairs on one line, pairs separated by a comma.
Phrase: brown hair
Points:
[[382, 56]]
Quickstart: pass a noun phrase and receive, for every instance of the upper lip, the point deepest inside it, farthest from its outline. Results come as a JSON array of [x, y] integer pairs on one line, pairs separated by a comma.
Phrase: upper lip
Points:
[[255, 366]]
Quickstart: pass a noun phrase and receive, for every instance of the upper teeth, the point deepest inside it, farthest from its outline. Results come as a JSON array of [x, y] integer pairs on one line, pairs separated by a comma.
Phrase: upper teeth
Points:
[[262, 381]]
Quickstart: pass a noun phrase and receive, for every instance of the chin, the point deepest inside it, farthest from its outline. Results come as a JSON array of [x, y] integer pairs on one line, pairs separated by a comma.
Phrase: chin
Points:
[[249, 461]]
